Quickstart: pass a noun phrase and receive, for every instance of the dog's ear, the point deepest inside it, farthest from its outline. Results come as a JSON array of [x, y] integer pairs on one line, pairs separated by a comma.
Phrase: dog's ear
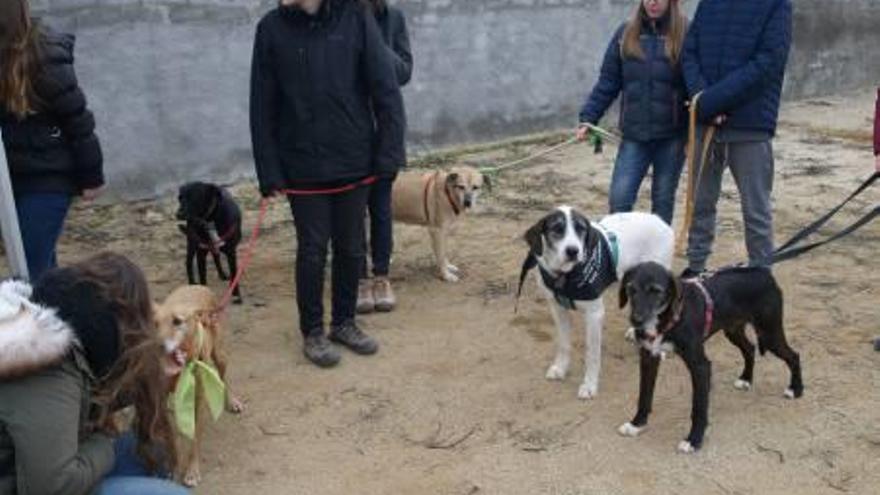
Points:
[[673, 288], [534, 237], [452, 178], [621, 291]]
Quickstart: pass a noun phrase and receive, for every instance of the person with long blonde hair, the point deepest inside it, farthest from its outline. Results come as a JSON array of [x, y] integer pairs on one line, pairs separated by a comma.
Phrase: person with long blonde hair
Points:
[[48, 131], [76, 348], [642, 65]]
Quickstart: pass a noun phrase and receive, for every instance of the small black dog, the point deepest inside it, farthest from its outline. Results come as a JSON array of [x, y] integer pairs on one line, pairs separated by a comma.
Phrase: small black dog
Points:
[[213, 225], [666, 312]]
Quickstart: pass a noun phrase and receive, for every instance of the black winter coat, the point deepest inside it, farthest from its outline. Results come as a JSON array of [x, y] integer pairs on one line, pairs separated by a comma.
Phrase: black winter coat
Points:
[[392, 23], [325, 104], [652, 89], [55, 149]]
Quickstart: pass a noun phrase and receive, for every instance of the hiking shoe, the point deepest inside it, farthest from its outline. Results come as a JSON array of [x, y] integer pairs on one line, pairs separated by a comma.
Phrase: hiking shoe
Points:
[[366, 302], [349, 335], [320, 351], [384, 296]]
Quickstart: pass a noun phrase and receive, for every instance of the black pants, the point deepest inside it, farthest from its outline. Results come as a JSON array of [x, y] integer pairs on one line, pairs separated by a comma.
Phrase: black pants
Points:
[[381, 240], [318, 220]]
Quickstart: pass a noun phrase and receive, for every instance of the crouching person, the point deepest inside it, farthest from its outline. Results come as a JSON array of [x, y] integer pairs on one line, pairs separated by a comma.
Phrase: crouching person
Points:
[[326, 116], [74, 349]]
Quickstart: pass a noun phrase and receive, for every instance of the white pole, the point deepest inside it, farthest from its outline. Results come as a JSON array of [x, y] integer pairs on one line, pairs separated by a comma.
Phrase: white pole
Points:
[[9, 221]]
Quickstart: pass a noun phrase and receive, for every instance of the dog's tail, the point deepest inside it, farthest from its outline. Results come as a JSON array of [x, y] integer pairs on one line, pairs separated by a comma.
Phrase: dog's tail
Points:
[[530, 262]]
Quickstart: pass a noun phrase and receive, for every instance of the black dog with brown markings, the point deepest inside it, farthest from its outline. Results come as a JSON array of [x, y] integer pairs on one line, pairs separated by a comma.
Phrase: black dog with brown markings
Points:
[[668, 313]]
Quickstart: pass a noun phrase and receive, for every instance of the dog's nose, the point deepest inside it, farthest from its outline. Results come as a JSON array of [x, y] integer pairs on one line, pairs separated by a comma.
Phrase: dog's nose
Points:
[[572, 252]]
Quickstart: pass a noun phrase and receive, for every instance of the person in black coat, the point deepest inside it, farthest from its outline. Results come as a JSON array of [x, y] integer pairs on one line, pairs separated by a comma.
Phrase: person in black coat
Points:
[[326, 117], [376, 294], [642, 64], [48, 131]]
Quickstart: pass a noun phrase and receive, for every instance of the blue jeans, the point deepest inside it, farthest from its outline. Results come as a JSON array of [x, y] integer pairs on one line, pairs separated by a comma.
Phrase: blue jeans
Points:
[[633, 160], [41, 219], [130, 477], [381, 240]]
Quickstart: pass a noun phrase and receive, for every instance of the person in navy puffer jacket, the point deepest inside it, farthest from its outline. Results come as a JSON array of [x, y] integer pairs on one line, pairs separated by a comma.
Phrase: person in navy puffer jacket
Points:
[[734, 65], [642, 65]]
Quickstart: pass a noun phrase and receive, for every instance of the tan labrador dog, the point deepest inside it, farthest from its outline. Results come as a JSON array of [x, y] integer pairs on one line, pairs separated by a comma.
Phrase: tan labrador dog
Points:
[[436, 200], [189, 326]]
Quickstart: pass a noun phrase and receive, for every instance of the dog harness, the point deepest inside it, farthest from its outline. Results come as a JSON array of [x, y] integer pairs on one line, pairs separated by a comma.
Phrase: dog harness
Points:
[[588, 279], [214, 246], [678, 309], [431, 179]]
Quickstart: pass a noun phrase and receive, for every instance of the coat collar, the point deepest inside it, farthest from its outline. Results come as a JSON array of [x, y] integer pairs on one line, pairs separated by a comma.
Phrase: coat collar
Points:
[[32, 337]]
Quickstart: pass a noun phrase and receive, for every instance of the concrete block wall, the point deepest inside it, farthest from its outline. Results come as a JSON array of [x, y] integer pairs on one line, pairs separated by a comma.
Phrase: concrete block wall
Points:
[[168, 79]]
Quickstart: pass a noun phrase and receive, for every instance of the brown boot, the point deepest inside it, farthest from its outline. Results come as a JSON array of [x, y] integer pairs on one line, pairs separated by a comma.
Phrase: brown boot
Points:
[[366, 302], [383, 295]]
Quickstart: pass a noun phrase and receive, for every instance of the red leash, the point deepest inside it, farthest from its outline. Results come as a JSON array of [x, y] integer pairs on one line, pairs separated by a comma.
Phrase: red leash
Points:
[[264, 208]]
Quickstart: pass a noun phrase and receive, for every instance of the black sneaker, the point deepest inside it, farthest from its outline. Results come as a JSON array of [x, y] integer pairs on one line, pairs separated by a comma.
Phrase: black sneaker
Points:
[[690, 273], [320, 351], [349, 335]]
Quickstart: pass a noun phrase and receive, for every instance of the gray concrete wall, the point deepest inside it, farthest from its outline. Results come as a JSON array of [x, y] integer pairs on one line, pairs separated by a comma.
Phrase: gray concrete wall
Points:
[[168, 79]]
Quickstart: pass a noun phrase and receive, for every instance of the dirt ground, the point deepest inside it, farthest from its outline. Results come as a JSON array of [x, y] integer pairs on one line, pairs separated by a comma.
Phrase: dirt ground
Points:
[[456, 401]]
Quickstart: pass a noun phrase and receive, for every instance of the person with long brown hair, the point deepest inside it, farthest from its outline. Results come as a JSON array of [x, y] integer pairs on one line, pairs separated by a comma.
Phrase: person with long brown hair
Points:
[[76, 348], [642, 65], [48, 131]]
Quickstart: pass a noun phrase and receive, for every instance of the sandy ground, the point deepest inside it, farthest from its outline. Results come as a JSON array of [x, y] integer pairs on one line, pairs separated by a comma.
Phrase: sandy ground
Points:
[[456, 401]]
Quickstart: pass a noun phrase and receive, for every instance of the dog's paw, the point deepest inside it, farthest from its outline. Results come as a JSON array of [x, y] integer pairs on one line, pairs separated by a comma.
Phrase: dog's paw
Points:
[[192, 478], [452, 268], [685, 447], [630, 335], [449, 277], [587, 391], [630, 430], [234, 405], [556, 372], [743, 385], [790, 393]]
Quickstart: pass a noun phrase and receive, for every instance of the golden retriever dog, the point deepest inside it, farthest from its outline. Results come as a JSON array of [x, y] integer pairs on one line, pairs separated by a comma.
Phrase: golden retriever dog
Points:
[[189, 326]]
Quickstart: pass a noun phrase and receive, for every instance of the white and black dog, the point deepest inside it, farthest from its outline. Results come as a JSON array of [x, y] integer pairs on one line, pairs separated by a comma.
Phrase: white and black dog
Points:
[[672, 314], [577, 261]]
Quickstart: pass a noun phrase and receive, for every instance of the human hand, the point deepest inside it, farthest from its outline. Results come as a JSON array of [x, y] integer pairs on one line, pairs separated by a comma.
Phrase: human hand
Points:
[[720, 119], [92, 193]]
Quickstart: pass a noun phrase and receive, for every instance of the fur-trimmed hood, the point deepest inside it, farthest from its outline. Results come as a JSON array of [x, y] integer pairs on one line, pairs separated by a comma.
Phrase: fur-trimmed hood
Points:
[[32, 337]]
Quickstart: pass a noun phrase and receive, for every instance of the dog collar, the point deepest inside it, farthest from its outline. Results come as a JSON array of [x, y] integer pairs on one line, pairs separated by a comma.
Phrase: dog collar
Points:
[[611, 237], [431, 179]]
